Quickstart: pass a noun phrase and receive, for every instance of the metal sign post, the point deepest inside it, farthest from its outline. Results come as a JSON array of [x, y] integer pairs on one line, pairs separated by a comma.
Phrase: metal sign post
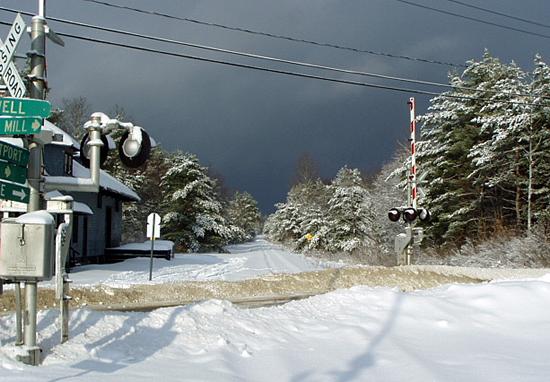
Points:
[[153, 232], [62, 205]]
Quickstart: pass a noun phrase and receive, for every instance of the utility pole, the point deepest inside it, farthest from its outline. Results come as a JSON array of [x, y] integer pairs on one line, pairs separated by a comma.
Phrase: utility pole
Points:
[[37, 91]]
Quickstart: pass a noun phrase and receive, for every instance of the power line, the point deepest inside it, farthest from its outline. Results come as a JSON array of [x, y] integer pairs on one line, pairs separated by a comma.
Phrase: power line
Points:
[[487, 10], [276, 71], [468, 18], [273, 35], [243, 54], [260, 57]]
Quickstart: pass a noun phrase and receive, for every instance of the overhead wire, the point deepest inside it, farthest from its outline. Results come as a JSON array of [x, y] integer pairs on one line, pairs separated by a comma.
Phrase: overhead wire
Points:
[[255, 56], [237, 53], [278, 71], [491, 11], [442, 11], [273, 35]]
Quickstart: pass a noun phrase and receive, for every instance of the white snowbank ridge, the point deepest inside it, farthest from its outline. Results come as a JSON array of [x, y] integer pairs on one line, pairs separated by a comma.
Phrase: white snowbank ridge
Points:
[[488, 332]]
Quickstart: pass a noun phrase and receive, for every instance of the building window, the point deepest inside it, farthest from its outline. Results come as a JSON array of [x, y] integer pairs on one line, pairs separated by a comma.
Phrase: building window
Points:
[[68, 164], [99, 200]]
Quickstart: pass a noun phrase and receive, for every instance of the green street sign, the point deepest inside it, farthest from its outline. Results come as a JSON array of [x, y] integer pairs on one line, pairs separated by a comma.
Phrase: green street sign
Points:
[[14, 192], [25, 107], [19, 125], [13, 173], [14, 154]]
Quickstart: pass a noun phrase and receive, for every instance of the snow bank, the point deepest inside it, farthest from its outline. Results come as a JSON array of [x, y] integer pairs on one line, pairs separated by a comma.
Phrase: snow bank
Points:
[[486, 332]]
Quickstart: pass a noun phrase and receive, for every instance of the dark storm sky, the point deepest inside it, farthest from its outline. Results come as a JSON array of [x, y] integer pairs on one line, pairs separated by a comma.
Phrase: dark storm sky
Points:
[[252, 126]]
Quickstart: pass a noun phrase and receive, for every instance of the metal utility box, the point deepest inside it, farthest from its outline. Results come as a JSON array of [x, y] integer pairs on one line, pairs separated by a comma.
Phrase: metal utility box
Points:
[[27, 247]]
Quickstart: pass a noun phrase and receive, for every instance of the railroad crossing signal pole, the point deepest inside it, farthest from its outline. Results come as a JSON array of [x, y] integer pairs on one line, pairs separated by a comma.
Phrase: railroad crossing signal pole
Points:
[[412, 173], [411, 239]]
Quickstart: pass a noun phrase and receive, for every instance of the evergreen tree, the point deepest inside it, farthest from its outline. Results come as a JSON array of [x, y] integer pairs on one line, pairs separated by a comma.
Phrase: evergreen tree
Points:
[[301, 220], [538, 147], [243, 212], [193, 216], [498, 156], [312, 218], [486, 151], [284, 224], [455, 132], [350, 213]]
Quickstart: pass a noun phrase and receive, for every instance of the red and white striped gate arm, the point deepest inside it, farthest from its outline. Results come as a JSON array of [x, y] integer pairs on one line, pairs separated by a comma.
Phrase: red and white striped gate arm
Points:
[[412, 175]]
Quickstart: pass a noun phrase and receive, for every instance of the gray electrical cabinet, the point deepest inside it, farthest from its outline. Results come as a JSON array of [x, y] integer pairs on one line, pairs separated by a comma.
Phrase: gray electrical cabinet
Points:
[[27, 247]]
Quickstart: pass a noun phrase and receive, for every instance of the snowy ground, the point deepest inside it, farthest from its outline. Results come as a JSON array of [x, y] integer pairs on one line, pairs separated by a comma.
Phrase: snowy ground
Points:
[[497, 331], [254, 259], [489, 332], [245, 261]]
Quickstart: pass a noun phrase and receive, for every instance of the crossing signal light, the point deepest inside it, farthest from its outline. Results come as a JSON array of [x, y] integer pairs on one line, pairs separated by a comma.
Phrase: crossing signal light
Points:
[[409, 214], [394, 214], [134, 147], [424, 215]]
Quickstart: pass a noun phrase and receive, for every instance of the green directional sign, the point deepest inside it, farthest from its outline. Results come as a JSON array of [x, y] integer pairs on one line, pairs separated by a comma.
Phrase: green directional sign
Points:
[[14, 192], [14, 154], [13, 173], [25, 107], [20, 125]]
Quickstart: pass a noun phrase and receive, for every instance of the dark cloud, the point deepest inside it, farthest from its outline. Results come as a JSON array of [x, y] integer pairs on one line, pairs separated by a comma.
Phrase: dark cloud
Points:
[[252, 126]]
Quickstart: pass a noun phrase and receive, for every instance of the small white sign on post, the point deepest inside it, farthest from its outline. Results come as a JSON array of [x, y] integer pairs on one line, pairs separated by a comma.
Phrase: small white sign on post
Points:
[[153, 226], [153, 232]]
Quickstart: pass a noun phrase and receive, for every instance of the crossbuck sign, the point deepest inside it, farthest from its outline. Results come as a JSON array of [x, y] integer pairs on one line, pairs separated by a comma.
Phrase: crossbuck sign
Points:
[[8, 71]]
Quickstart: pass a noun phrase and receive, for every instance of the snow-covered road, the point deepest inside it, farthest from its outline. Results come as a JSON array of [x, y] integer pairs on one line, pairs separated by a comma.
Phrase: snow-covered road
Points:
[[244, 261]]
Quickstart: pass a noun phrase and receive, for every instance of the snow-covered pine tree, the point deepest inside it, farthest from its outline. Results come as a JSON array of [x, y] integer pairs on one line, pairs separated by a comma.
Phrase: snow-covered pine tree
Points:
[[283, 225], [300, 220], [242, 211], [457, 132], [350, 213], [538, 147], [446, 136], [192, 214], [498, 155], [314, 196]]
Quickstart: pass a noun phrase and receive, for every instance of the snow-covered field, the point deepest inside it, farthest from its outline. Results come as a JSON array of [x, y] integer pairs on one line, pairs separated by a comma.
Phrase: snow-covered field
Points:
[[496, 331]]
